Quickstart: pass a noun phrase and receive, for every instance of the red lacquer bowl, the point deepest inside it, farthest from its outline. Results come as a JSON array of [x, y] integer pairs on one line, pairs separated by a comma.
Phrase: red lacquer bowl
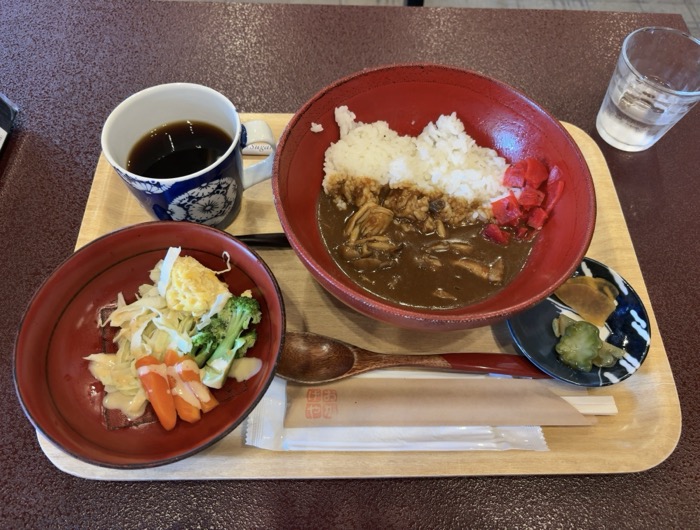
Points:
[[408, 97], [64, 401]]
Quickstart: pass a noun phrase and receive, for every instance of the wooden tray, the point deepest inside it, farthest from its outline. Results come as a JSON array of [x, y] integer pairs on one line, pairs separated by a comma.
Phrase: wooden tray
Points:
[[643, 433]]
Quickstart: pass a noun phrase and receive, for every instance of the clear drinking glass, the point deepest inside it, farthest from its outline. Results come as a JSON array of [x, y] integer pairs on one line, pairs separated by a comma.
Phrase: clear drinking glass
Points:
[[655, 83]]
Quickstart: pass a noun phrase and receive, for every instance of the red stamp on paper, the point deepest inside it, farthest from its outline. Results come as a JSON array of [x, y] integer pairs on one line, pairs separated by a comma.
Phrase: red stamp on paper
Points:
[[321, 404]]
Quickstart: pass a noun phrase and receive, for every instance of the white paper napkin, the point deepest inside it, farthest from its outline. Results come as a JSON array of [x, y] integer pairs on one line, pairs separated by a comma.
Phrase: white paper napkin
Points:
[[265, 429]]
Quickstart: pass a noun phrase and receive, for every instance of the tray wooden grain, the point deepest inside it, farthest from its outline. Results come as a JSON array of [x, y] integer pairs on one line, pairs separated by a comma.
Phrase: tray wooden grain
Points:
[[643, 433]]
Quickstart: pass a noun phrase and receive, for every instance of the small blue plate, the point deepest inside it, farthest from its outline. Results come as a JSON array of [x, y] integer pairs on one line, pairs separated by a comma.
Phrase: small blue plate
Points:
[[628, 328]]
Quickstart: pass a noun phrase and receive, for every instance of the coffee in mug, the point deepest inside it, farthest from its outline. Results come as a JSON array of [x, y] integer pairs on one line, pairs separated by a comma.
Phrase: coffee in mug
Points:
[[178, 149]]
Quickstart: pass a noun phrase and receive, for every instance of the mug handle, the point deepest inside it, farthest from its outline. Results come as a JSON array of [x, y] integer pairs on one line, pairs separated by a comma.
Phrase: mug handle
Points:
[[258, 131]]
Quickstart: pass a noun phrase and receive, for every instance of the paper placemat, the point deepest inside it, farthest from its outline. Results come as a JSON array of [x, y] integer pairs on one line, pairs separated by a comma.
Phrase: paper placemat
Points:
[[641, 435]]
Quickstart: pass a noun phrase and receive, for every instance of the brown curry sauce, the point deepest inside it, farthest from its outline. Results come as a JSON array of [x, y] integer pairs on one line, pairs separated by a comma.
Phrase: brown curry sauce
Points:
[[414, 269]]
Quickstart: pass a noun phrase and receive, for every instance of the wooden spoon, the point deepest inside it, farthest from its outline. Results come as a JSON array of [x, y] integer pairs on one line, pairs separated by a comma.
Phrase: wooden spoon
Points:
[[309, 358]]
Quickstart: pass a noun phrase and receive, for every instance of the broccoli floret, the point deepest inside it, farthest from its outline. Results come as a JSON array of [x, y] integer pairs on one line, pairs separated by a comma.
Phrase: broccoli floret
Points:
[[205, 341], [250, 338], [237, 315], [579, 345]]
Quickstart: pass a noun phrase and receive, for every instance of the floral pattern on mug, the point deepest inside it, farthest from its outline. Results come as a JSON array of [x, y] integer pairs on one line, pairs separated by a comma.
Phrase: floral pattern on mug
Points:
[[150, 187], [206, 204]]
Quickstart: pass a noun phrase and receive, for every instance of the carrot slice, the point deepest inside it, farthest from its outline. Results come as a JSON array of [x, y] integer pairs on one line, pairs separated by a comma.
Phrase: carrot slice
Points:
[[186, 403], [188, 371], [154, 379]]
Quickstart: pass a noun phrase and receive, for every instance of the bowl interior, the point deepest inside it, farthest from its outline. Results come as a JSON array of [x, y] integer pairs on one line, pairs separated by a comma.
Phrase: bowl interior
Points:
[[408, 97], [62, 398]]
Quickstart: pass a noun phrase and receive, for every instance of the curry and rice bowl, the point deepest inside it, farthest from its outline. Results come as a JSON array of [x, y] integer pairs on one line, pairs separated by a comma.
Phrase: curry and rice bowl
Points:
[[433, 220]]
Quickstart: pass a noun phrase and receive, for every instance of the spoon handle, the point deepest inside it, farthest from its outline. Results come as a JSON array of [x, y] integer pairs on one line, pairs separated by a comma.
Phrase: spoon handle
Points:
[[470, 362], [505, 364]]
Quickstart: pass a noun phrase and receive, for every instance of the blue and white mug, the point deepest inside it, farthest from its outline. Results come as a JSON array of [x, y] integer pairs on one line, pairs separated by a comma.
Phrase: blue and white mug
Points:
[[212, 195]]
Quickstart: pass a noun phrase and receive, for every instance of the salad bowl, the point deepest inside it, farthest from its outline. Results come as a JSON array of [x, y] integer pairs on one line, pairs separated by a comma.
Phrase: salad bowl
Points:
[[61, 326]]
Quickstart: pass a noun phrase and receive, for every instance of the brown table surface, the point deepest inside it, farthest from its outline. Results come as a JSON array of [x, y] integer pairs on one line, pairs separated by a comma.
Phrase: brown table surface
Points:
[[68, 63]]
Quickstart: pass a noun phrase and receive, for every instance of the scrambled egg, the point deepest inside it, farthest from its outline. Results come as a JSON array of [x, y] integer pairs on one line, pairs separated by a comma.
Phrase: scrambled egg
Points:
[[193, 287]]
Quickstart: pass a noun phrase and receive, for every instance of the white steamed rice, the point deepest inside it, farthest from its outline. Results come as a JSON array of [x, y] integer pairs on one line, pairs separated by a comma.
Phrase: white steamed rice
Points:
[[442, 161]]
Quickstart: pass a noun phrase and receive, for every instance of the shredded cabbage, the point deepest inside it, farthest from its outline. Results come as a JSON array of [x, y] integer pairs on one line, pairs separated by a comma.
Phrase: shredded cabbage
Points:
[[166, 268]]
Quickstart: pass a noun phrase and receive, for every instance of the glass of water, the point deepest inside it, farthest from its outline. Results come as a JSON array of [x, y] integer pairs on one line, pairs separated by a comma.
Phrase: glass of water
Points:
[[655, 83]]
